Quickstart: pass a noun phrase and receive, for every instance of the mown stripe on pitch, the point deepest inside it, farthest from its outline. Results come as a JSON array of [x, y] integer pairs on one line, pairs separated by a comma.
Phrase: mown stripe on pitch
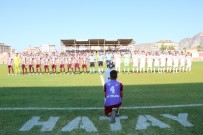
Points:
[[97, 108]]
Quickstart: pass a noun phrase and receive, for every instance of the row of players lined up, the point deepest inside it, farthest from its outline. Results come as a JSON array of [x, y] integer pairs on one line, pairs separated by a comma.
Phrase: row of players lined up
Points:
[[157, 61]]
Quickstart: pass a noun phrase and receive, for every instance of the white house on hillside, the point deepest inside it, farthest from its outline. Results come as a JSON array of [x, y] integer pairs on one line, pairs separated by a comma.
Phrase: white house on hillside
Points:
[[167, 43]]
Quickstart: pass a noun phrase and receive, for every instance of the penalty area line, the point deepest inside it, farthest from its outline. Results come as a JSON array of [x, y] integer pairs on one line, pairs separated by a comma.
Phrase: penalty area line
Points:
[[96, 108]]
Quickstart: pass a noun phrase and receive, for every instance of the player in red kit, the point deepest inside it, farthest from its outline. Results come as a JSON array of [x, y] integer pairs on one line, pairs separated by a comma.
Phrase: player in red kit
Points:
[[69, 63], [31, 64], [38, 64], [24, 63], [84, 63], [77, 63], [46, 64], [62, 61], [9, 64], [53, 60]]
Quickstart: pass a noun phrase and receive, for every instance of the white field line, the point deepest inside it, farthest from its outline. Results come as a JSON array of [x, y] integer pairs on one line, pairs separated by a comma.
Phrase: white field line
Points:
[[102, 79], [97, 108]]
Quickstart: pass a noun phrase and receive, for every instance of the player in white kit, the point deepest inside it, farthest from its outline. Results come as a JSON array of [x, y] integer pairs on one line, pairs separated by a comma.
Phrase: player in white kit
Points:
[[175, 62], [142, 62], [156, 62], [149, 62], [126, 62], [117, 59], [163, 62], [182, 62], [169, 62], [188, 62], [10, 64], [135, 61]]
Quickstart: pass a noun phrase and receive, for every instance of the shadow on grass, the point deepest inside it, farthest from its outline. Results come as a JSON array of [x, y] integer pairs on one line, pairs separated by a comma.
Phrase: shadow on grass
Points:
[[92, 96]]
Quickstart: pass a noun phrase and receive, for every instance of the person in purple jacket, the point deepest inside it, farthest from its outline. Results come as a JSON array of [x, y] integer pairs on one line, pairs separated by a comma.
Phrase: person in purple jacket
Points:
[[113, 92]]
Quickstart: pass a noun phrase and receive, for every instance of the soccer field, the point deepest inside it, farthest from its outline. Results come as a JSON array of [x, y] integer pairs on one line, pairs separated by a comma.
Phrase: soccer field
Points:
[[153, 104]]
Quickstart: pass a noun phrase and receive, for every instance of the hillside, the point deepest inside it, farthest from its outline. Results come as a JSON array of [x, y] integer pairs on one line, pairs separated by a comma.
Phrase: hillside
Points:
[[193, 42], [144, 46]]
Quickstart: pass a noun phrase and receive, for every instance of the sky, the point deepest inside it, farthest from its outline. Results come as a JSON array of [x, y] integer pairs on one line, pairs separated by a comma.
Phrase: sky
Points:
[[25, 23]]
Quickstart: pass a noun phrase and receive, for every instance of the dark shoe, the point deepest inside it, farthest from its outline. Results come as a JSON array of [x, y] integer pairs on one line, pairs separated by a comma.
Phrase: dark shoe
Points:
[[113, 116]]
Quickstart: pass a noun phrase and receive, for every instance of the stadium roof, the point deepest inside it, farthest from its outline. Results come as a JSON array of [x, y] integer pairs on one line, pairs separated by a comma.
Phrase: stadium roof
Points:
[[2, 44], [96, 42]]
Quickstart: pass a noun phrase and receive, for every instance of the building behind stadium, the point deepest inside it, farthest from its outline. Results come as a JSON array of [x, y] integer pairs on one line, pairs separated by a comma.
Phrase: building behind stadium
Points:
[[46, 48], [4, 50]]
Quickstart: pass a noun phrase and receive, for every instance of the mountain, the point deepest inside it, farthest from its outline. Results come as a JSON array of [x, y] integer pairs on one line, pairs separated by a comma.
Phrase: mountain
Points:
[[193, 42], [190, 42], [144, 46]]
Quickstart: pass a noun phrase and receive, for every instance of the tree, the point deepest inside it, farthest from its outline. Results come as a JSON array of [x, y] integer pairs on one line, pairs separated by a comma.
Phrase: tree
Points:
[[198, 48], [171, 48], [163, 47]]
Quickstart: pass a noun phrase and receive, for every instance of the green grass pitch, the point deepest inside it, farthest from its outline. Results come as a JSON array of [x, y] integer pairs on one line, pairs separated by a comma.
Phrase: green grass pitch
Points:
[[80, 91]]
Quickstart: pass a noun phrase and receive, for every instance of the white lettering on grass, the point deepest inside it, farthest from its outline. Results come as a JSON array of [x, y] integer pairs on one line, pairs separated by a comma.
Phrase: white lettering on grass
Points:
[[145, 121], [182, 119], [83, 122], [117, 125], [80, 123], [34, 121]]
